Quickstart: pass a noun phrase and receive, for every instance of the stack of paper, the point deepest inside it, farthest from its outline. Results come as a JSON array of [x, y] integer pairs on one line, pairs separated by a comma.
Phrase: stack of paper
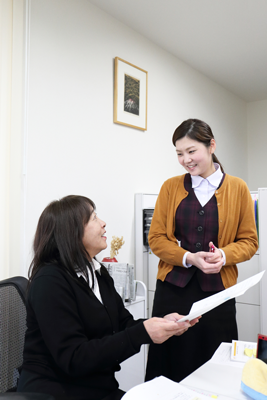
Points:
[[162, 388]]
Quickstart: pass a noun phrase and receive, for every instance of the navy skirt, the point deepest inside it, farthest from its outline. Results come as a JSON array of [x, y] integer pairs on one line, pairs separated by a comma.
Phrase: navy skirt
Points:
[[179, 356]]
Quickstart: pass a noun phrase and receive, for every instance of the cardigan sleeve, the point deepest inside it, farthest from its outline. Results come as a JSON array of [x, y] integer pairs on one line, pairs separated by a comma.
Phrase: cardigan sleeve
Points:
[[161, 234], [53, 305], [238, 238]]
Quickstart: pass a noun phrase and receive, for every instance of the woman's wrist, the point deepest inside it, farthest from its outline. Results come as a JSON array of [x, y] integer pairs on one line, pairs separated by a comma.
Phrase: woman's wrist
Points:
[[186, 264], [190, 258]]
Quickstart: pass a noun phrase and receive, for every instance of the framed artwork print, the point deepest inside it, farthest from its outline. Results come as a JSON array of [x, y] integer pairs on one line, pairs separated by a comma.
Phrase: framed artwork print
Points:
[[130, 95]]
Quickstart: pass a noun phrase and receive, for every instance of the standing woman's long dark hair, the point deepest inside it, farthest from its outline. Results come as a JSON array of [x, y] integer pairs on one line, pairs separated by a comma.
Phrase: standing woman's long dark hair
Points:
[[59, 234], [197, 130]]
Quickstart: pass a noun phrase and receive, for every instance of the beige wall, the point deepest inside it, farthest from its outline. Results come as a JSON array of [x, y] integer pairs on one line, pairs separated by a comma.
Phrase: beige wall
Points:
[[70, 144], [73, 144], [257, 144]]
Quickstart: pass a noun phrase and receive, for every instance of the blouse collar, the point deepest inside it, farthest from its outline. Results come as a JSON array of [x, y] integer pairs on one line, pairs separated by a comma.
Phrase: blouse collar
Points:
[[214, 179]]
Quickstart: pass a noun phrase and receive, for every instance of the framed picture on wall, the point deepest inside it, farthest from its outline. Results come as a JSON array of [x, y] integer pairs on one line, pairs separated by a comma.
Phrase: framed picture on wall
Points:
[[130, 95]]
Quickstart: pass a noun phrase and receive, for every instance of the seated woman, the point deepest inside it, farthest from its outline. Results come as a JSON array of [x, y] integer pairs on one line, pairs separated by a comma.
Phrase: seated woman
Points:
[[78, 330]]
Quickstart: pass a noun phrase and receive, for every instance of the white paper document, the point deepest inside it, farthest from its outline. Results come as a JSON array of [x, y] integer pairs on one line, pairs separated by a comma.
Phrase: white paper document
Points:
[[205, 305], [162, 388], [243, 351], [218, 377], [222, 356]]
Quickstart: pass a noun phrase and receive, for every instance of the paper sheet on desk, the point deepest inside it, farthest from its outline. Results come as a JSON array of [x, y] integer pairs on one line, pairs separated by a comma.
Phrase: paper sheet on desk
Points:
[[205, 305], [222, 356], [162, 388], [219, 376]]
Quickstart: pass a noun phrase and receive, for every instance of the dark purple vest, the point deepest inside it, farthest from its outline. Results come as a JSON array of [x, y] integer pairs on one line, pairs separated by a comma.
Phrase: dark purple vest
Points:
[[195, 227]]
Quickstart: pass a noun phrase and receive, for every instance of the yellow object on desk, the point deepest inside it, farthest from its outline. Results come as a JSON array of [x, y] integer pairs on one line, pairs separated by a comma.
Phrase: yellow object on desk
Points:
[[254, 379], [250, 352]]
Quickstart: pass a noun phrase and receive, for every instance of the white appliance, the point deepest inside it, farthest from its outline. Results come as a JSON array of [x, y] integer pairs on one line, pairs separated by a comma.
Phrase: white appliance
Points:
[[146, 262]]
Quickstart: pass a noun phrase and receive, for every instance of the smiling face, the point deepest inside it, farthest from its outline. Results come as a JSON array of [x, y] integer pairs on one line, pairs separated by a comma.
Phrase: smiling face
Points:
[[195, 157], [94, 239]]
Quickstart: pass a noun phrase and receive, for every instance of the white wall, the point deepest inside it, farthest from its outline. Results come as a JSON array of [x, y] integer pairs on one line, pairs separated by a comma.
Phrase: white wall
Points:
[[73, 146], [257, 144]]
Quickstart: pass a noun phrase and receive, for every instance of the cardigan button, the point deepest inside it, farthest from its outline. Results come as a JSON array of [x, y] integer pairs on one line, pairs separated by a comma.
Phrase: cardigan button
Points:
[[199, 228], [201, 212], [198, 245]]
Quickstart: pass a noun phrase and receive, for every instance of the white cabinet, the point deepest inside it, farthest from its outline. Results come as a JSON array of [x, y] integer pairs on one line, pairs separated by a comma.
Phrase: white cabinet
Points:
[[252, 306], [132, 371], [248, 305], [262, 203], [152, 263]]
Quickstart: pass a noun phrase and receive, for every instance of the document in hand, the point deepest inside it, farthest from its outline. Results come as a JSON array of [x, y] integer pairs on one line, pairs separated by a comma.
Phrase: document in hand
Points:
[[205, 305]]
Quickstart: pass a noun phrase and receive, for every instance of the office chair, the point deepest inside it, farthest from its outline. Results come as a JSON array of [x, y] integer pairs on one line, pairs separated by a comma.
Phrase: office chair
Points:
[[12, 330], [12, 334]]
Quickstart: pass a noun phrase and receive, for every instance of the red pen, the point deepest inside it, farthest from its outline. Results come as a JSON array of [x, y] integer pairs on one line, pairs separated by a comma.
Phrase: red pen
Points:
[[212, 249]]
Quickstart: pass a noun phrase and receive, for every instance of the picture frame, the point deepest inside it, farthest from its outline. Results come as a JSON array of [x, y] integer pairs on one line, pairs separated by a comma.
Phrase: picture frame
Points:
[[130, 95]]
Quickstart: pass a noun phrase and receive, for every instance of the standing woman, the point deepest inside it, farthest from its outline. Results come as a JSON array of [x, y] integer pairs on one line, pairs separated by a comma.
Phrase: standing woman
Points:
[[78, 330], [203, 225]]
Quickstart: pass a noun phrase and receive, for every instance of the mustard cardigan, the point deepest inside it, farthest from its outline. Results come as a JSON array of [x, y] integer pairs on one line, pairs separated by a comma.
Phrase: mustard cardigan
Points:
[[237, 234]]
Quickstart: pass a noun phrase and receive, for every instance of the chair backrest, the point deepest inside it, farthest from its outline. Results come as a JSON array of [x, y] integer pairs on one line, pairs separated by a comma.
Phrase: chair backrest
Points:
[[12, 330]]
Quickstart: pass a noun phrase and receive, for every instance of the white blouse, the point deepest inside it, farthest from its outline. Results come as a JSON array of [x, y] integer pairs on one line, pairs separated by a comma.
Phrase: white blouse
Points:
[[96, 268]]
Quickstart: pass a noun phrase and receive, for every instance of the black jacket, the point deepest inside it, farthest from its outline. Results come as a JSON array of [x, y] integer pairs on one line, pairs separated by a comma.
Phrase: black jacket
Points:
[[75, 340]]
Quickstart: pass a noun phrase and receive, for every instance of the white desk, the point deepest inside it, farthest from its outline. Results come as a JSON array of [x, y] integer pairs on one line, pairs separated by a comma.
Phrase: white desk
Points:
[[219, 376]]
